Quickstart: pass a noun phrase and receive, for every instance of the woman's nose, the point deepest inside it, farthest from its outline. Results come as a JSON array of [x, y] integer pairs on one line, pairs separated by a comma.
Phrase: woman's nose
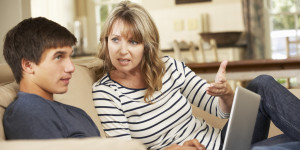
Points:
[[124, 48]]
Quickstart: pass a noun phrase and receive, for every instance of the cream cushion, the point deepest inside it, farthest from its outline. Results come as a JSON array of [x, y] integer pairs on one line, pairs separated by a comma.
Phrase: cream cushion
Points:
[[72, 144], [80, 94], [6, 74], [8, 93]]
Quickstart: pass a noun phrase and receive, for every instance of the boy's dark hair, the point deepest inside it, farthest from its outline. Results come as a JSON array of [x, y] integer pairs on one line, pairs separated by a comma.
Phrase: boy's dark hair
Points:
[[30, 38]]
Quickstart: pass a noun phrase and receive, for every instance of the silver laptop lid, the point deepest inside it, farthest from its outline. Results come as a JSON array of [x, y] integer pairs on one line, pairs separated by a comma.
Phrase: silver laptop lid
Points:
[[242, 120]]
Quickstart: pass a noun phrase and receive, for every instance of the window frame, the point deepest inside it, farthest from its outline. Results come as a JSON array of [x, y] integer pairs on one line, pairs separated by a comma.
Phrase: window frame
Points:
[[294, 33], [109, 3]]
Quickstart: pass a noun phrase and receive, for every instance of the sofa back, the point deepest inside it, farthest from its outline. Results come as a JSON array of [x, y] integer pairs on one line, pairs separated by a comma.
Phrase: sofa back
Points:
[[6, 75], [79, 93]]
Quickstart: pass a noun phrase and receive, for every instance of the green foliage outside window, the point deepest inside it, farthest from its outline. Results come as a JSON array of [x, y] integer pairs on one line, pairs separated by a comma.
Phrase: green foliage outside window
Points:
[[284, 82], [284, 14], [103, 13], [279, 6]]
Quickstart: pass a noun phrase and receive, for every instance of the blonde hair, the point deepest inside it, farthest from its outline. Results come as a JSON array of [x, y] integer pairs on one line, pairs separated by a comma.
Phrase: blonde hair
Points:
[[139, 23]]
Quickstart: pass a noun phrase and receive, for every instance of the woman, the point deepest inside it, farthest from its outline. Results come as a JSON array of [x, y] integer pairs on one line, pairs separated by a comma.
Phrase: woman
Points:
[[142, 96]]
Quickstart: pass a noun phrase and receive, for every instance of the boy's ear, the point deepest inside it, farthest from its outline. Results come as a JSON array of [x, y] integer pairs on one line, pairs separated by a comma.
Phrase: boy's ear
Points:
[[27, 66]]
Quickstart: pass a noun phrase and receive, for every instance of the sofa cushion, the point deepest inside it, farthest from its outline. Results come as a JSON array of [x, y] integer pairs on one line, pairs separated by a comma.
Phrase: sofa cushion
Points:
[[8, 93], [6, 75], [295, 92], [92, 143], [79, 93]]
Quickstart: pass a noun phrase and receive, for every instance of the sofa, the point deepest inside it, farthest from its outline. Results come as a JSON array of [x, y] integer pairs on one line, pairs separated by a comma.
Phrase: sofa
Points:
[[80, 95]]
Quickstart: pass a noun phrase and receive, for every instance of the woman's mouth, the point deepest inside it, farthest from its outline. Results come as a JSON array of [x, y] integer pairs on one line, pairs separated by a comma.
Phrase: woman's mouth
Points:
[[124, 61]]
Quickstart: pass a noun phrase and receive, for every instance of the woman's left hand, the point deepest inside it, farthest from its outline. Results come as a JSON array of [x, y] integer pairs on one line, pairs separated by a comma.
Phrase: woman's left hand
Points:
[[222, 89], [187, 145]]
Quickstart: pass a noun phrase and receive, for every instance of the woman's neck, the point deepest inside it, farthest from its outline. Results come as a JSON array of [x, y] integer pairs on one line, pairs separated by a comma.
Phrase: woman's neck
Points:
[[131, 80]]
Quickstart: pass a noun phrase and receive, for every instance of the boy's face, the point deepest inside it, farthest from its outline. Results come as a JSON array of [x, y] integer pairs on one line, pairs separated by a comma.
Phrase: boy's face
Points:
[[53, 73]]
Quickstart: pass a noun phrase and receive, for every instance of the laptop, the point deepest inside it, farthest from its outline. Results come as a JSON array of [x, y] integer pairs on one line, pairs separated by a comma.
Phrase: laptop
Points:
[[242, 120]]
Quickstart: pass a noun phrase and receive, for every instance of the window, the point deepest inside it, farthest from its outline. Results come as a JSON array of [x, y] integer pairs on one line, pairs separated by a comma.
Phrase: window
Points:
[[103, 8], [284, 22]]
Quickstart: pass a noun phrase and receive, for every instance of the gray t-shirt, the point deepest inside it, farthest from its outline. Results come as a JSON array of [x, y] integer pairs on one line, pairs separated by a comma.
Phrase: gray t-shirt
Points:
[[33, 117]]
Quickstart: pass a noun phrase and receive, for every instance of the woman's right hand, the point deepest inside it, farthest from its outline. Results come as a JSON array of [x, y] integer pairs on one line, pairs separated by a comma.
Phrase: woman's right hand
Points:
[[222, 89], [188, 145]]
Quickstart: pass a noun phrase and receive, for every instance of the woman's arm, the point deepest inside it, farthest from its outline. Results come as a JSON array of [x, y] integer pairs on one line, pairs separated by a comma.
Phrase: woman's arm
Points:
[[194, 90], [108, 107]]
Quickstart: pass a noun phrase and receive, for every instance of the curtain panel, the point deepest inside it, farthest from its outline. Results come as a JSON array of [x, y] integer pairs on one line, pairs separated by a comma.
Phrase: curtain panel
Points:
[[253, 15]]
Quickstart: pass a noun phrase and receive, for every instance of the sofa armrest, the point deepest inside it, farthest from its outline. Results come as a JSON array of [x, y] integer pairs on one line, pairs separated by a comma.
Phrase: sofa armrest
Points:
[[94, 143]]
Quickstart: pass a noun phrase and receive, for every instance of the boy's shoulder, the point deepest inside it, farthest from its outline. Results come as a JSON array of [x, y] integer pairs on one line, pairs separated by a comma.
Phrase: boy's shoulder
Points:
[[28, 105]]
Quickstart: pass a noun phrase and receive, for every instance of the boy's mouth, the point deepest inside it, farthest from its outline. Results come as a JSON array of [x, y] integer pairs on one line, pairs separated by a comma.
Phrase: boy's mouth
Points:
[[66, 80]]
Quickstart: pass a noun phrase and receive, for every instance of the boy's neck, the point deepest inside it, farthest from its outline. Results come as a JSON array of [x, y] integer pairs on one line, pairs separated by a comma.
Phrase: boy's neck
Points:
[[33, 89]]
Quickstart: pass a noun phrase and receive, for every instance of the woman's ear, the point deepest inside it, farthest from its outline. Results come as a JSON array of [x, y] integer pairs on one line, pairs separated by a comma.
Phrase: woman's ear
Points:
[[27, 66]]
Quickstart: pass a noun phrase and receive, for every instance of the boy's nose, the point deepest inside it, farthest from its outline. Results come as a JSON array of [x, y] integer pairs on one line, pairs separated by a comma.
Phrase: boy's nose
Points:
[[70, 68]]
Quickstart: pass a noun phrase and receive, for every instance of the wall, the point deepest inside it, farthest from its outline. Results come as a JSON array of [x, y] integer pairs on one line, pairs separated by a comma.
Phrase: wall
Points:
[[66, 12], [62, 12], [224, 15], [183, 22], [11, 13]]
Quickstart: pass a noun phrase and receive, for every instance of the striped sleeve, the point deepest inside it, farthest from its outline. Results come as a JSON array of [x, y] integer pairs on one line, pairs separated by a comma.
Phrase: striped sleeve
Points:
[[109, 110], [194, 88]]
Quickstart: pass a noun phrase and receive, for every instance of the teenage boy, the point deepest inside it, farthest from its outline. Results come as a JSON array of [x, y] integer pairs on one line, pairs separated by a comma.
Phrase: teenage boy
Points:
[[38, 52]]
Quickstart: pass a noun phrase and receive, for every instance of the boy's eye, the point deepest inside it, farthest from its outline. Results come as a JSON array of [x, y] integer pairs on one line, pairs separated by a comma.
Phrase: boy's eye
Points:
[[58, 57]]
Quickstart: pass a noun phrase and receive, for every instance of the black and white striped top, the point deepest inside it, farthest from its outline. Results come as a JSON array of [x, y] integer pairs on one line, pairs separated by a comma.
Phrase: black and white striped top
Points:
[[169, 120]]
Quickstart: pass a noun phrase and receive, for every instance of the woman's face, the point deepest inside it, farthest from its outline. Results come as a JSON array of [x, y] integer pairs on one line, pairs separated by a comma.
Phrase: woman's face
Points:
[[125, 53]]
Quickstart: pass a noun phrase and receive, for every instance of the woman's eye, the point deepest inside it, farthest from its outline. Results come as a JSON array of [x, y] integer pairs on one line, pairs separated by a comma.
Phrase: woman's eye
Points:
[[133, 42], [115, 39]]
